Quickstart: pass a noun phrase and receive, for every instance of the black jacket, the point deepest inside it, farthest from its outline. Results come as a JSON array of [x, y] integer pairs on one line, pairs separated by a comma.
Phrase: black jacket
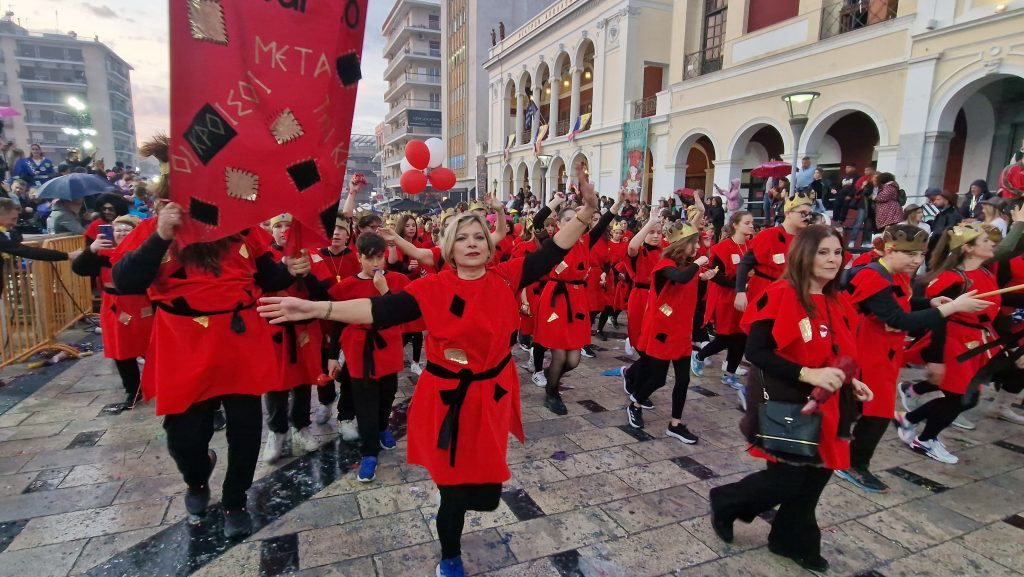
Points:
[[10, 243]]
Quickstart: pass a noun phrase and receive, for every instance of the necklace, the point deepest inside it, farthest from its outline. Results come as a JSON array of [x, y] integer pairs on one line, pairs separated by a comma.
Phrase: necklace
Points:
[[335, 268]]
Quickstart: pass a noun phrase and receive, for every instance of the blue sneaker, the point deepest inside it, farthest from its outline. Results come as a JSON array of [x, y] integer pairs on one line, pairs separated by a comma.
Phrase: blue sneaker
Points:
[[696, 366], [732, 381], [367, 469], [387, 440], [451, 568]]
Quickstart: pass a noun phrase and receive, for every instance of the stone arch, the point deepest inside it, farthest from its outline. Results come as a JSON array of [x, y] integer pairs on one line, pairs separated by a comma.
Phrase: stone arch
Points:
[[579, 53], [507, 180], [738, 146], [678, 163], [822, 122], [555, 170], [944, 109]]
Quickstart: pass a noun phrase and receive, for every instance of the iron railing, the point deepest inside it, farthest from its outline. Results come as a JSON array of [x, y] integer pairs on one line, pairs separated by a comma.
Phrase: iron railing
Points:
[[645, 107], [562, 128], [849, 15], [702, 62]]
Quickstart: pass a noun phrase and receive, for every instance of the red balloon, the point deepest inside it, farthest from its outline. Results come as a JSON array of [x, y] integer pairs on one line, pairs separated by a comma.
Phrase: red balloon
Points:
[[417, 153], [442, 179], [413, 181]]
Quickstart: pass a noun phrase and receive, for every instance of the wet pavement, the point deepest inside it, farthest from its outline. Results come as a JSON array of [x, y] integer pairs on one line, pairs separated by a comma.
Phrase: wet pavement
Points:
[[84, 492]]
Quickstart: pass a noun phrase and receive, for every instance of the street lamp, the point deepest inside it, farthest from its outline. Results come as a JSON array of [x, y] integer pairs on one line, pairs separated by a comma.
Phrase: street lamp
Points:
[[799, 105], [75, 103]]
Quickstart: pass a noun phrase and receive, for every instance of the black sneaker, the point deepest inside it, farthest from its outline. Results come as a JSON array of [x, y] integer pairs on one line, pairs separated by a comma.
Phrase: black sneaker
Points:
[[645, 405], [863, 479], [615, 321], [219, 421], [682, 433], [237, 523], [554, 404], [635, 415], [815, 563], [129, 400], [196, 499], [588, 351]]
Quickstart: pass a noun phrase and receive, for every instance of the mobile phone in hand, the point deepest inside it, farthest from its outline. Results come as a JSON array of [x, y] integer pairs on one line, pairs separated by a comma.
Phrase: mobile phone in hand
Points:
[[107, 231]]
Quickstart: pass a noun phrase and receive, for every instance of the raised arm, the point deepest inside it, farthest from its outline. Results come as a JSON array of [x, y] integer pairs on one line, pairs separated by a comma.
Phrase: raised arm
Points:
[[354, 184], [638, 239], [423, 255], [500, 222]]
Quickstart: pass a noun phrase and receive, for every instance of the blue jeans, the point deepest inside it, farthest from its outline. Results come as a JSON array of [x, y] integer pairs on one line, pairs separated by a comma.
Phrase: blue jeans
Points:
[[858, 225]]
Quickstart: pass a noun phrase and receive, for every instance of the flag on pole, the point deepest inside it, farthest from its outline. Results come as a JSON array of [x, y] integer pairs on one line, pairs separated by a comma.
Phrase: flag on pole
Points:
[[531, 112], [508, 145], [581, 124], [542, 132]]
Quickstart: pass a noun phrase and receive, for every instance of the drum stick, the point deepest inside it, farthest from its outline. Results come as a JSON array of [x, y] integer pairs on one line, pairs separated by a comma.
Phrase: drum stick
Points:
[[1010, 289]]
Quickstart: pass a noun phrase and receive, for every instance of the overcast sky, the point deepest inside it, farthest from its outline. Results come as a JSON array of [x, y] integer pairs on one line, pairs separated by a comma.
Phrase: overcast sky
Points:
[[137, 31]]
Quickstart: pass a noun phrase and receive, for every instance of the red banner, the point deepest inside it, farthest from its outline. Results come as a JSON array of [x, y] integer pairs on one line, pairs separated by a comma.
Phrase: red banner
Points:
[[262, 98]]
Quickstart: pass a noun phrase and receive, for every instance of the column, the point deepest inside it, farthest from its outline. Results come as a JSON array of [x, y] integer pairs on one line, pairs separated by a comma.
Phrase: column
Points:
[[506, 103], [726, 170], [935, 155], [536, 117], [574, 100], [886, 158], [556, 85], [519, 117]]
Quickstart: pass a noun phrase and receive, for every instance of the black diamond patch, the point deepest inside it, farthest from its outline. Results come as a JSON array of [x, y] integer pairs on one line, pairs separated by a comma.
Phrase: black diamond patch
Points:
[[328, 218], [898, 291], [499, 392], [892, 354], [349, 71], [204, 212], [581, 266], [984, 318], [782, 238], [179, 274], [762, 302], [208, 134], [304, 174], [661, 337], [580, 316], [458, 306]]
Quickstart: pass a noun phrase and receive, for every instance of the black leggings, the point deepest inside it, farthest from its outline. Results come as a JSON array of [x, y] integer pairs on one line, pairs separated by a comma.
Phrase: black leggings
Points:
[[562, 362], [607, 313], [940, 413], [649, 374], [734, 344], [279, 415], [451, 514], [130, 374], [373, 400], [417, 344], [866, 434], [538, 357], [188, 442], [326, 394]]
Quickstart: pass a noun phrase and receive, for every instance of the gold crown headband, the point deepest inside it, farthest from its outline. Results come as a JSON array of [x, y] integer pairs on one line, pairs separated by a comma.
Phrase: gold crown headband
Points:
[[900, 240], [962, 234], [681, 233], [795, 201], [476, 205], [619, 226], [284, 217]]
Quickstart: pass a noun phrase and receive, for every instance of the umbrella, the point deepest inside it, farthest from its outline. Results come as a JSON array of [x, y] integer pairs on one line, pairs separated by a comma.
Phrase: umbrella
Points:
[[6, 111], [772, 169], [75, 186]]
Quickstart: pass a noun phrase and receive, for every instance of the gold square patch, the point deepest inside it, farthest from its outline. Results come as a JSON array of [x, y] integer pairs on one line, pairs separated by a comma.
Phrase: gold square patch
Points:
[[243, 250], [125, 318], [456, 356], [561, 267], [146, 312], [553, 317], [665, 310], [241, 184], [206, 18], [805, 330], [286, 127]]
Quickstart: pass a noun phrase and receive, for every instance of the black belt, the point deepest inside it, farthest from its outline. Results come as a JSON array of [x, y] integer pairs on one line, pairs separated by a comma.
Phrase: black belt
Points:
[[181, 308], [762, 275], [562, 290], [374, 341], [642, 285], [448, 435]]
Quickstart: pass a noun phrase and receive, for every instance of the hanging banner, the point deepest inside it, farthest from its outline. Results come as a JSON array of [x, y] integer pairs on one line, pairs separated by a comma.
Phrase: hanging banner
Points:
[[262, 98], [634, 154]]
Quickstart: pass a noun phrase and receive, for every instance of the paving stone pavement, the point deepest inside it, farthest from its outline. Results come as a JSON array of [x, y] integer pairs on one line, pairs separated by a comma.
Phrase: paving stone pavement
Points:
[[86, 493]]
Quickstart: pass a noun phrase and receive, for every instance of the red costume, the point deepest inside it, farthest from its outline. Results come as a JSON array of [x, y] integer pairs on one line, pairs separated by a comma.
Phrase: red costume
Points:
[[807, 341], [598, 261], [126, 320], [297, 344], [639, 268], [770, 247], [667, 322], [528, 323], [466, 322], [866, 258], [721, 304], [616, 291], [562, 316], [362, 344]]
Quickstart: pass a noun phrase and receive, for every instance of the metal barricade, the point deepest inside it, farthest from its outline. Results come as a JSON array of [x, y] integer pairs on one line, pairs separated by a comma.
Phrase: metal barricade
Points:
[[40, 299]]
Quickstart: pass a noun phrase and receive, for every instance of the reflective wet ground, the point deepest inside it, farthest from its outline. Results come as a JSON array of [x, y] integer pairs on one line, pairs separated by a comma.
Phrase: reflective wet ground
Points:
[[86, 492]]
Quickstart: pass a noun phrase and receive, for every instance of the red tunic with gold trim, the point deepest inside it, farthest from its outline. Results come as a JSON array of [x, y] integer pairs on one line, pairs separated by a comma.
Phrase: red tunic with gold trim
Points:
[[721, 304], [807, 341], [668, 320], [598, 261], [964, 331], [528, 323], [126, 320], [298, 344], [880, 346], [562, 317], [770, 247], [471, 324], [616, 291], [865, 258], [640, 268], [362, 343], [194, 356]]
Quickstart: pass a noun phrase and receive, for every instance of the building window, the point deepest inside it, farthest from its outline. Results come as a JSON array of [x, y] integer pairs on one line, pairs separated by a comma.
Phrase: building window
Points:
[[714, 28]]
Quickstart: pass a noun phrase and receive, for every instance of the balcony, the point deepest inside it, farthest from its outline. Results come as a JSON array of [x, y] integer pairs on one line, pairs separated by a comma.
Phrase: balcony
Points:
[[562, 128], [411, 103], [403, 60], [645, 107], [411, 132], [418, 30], [702, 62], [849, 15], [409, 80]]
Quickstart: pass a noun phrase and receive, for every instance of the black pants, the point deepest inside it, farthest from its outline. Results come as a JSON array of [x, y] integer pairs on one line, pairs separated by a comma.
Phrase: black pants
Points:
[[940, 413], [130, 374], [734, 345], [417, 344], [373, 399], [866, 434], [188, 442], [538, 357], [794, 489], [278, 413], [451, 515], [649, 374]]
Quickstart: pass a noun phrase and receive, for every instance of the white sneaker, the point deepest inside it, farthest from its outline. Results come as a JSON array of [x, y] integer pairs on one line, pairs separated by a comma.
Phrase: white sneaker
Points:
[[415, 368], [962, 422], [906, 430], [349, 431], [1008, 415], [274, 449], [323, 414], [936, 450], [908, 399], [742, 393], [740, 370], [630, 351], [539, 379], [304, 440]]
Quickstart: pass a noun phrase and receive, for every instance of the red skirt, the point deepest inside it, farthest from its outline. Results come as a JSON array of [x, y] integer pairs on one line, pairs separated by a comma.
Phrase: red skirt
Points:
[[959, 340], [881, 361], [127, 322], [306, 368], [528, 323], [188, 362], [721, 310], [596, 297], [620, 294], [565, 323], [635, 313]]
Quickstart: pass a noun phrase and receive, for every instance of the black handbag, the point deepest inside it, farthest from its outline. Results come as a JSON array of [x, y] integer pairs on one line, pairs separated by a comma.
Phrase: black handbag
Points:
[[783, 429]]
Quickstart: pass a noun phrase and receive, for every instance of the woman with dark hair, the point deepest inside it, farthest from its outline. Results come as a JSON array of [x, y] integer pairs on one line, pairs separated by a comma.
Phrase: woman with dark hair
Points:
[[887, 205], [467, 400], [798, 329], [108, 207], [614, 302], [412, 334], [209, 347], [716, 214]]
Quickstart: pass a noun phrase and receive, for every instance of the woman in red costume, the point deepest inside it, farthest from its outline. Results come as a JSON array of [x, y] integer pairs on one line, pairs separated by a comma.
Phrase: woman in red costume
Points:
[[642, 254], [797, 328], [413, 333], [766, 253], [610, 284], [126, 320], [721, 309], [467, 401], [209, 347]]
